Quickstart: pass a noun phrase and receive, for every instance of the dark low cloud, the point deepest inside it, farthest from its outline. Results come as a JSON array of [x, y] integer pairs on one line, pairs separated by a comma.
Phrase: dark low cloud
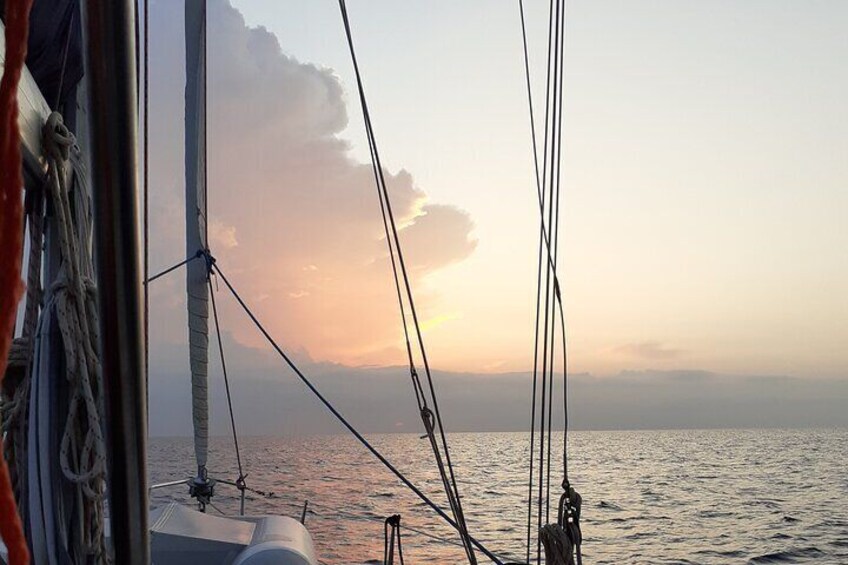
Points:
[[269, 399]]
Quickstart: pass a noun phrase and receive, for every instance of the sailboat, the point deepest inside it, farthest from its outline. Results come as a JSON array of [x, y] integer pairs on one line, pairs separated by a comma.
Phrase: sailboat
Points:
[[77, 445]]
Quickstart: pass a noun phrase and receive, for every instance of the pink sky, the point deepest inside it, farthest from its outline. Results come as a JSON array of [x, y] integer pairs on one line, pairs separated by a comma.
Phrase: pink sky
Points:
[[703, 198]]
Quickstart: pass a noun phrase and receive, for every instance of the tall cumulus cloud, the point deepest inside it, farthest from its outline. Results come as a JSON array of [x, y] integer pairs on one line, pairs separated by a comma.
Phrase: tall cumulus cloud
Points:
[[295, 218]]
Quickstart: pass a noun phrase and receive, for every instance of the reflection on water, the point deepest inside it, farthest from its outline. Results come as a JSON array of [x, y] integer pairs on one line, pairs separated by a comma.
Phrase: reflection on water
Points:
[[694, 497]]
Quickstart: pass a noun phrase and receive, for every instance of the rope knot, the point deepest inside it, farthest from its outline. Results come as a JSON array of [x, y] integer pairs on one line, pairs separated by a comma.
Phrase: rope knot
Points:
[[391, 538], [429, 420], [570, 504], [57, 138], [565, 537], [208, 257], [393, 520]]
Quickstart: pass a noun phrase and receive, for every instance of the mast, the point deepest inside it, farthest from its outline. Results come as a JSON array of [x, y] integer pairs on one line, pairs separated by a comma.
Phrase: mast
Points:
[[111, 88], [197, 272]]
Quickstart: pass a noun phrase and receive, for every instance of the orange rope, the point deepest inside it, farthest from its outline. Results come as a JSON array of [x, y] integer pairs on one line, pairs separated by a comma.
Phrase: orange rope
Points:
[[11, 241]]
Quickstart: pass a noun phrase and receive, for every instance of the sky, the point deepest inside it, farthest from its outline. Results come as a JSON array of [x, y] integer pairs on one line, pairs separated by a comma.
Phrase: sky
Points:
[[705, 178]]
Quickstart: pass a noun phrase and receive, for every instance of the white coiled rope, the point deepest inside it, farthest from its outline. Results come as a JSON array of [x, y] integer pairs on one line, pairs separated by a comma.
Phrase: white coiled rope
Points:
[[82, 453]]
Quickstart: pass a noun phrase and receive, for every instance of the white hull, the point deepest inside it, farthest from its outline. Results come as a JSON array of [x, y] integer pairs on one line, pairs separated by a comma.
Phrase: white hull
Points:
[[181, 535]]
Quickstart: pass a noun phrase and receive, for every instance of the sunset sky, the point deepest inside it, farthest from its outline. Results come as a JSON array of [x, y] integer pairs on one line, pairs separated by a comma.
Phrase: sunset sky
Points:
[[705, 187]]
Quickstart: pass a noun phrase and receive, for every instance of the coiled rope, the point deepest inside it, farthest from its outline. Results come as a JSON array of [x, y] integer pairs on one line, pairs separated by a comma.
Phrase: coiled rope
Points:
[[562, 541], [82, 451], [11, 240]]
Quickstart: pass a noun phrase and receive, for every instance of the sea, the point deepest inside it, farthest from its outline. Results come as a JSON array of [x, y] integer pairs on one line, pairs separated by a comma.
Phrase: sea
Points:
[[658, 497]]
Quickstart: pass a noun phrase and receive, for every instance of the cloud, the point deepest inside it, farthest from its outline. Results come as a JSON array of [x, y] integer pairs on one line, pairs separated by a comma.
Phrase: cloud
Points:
[[438, 237], [221, 236], [298, 294], [650, 350], [269, 399], [295, 218]]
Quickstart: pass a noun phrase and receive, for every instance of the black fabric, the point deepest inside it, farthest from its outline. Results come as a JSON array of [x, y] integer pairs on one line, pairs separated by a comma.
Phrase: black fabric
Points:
[[53, 25]]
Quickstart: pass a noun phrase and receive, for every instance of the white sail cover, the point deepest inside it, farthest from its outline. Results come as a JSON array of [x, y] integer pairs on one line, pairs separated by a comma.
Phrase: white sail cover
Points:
[[195, 173]]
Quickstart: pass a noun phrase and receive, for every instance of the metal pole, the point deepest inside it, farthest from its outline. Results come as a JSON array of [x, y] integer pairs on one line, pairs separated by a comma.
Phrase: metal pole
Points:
[[110, 28]]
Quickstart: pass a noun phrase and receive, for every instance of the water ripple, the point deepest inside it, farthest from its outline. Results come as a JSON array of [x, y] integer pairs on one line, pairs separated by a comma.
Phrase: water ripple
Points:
[[683, 497]]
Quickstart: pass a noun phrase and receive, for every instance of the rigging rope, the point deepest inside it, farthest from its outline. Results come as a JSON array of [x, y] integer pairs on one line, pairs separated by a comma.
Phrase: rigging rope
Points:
[[11, 239], [543, 239], [556, 168], [200, 253], [338, 415], [538, 281], [333, 510], [391, 534], [570, 502], [431, 418], [310, 505], [240, 484], [548, 242]]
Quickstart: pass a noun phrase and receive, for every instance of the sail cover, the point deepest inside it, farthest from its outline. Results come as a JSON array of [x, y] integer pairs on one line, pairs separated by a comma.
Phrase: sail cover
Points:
[[197, 271]]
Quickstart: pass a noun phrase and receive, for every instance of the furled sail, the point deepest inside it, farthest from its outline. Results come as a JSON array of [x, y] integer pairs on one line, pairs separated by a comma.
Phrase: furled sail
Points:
[[195, 189]]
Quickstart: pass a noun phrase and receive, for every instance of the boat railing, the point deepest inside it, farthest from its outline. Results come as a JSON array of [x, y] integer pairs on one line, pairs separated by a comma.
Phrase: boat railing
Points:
[[239, 484]]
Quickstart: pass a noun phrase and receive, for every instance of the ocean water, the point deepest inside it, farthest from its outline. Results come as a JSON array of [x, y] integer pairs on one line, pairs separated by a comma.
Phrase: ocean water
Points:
[[686, 497]]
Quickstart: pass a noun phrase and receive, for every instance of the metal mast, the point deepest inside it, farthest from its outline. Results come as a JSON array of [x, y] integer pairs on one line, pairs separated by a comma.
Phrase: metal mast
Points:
[[111, 62]]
